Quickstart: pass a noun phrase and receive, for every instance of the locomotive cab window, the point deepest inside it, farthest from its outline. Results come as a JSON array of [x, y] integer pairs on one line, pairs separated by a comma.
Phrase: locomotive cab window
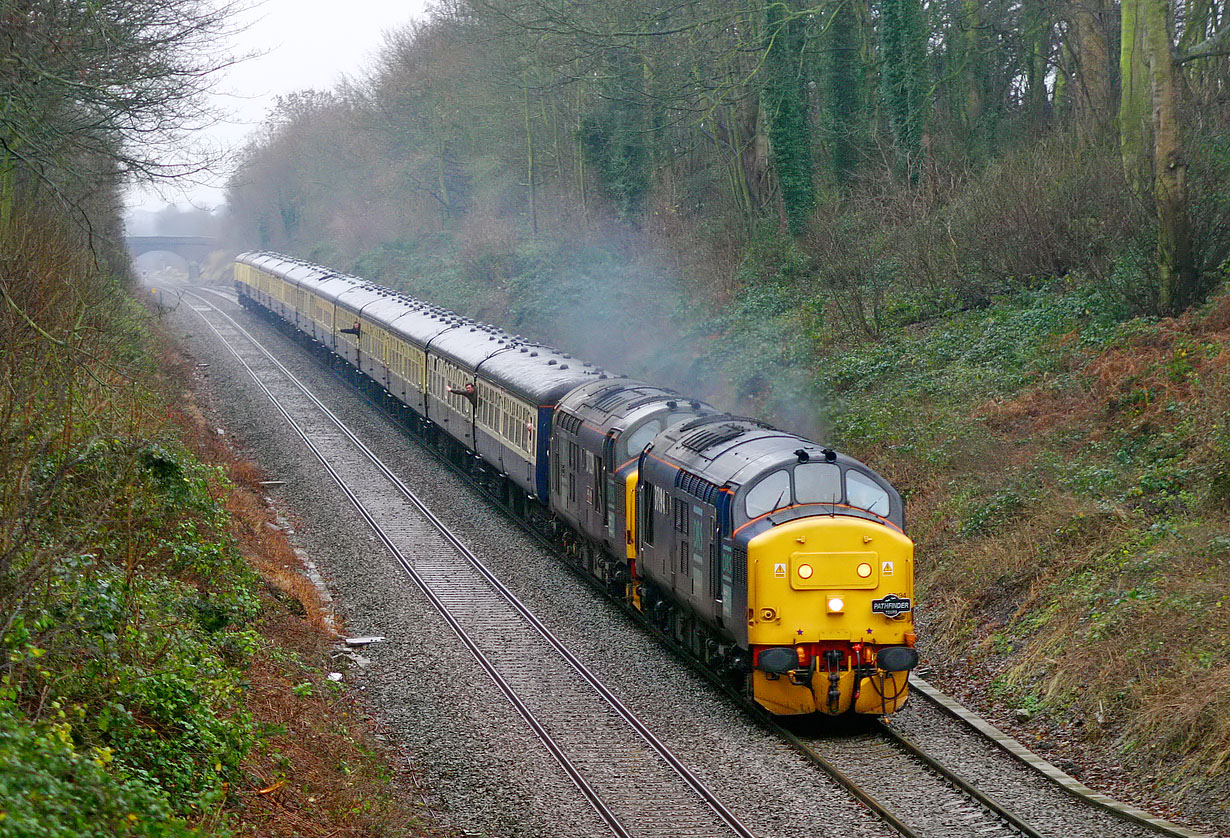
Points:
[[638, 439], [773, 492], [865, 493], [817, 483]]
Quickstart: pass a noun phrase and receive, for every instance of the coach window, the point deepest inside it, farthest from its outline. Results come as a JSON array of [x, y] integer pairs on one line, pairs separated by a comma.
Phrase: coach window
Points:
[[865, 493], [817, 483], [773, 492]]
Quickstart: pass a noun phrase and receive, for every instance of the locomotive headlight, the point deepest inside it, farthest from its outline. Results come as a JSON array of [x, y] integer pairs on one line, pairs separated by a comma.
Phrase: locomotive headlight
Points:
[[804, 571], [864, 570], [836, 605]]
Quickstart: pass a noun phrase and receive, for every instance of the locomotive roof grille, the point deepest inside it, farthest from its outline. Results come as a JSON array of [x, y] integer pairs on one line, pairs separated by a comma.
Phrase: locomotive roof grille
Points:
[[609, 397], [709, 437], [702, 420], [656, 397]]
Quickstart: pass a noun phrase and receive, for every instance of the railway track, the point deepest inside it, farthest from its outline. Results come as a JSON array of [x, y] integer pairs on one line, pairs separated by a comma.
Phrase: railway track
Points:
[[920, 795], [608, 753], [1018, 753], [908, 789]]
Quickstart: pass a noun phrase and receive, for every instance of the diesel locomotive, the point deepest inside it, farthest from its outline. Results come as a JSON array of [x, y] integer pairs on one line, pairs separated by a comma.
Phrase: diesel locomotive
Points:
[[777, 562]]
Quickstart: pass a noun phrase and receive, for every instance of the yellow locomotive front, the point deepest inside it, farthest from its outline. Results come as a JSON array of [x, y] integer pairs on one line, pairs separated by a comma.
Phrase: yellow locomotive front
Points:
[[778, 561], [829, 619]]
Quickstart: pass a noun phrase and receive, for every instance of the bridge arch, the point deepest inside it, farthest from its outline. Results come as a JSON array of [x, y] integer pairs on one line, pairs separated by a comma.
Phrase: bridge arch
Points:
[[192, 249]]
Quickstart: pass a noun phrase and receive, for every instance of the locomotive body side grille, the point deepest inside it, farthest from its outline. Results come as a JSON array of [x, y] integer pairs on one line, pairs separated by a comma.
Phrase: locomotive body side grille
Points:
[[569, 422], [697, 487]]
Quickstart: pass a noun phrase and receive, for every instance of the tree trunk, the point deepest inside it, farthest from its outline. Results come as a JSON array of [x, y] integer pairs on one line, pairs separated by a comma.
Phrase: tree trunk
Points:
[[529, 164], [1093, 100], [790, 142], [580, 153], [973, 73], [442, 175], [1134, 96], [905, 78], [1039, 21], [1177, 278], [844, 94]]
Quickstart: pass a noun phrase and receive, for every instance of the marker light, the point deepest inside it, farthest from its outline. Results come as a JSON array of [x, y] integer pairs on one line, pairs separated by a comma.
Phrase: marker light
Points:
[[836, 605], [864, 570], [804, 571]]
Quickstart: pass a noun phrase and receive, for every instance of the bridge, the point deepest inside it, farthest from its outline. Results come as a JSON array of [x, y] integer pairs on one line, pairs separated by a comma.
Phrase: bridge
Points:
[[192, 249]]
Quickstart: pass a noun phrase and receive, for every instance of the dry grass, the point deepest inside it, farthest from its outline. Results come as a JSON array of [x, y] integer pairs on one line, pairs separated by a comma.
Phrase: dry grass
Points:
[[1109, 619], [322, 773]]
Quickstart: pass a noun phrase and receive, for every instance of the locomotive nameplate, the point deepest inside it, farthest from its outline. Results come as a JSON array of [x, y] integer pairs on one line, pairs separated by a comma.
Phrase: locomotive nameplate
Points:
[[891, 605]]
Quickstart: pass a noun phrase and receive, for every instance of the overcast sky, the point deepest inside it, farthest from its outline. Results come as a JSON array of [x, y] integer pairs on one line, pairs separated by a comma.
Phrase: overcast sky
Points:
[[302, 44]]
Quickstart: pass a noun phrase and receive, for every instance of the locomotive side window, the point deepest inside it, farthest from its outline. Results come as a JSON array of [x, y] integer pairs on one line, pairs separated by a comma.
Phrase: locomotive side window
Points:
[[817, 483], [773, 492], [865, 493]]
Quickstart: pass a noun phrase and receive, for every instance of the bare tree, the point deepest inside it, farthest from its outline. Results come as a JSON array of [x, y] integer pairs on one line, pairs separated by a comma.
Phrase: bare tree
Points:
[[116, 83]]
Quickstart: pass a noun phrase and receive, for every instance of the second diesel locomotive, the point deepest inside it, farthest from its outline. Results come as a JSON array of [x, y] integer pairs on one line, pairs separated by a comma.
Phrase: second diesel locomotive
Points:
[[770, 558]]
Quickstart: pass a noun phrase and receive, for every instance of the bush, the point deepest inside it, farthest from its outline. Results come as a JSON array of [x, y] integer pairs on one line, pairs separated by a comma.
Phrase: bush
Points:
[[127, 606], [53, 788]]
